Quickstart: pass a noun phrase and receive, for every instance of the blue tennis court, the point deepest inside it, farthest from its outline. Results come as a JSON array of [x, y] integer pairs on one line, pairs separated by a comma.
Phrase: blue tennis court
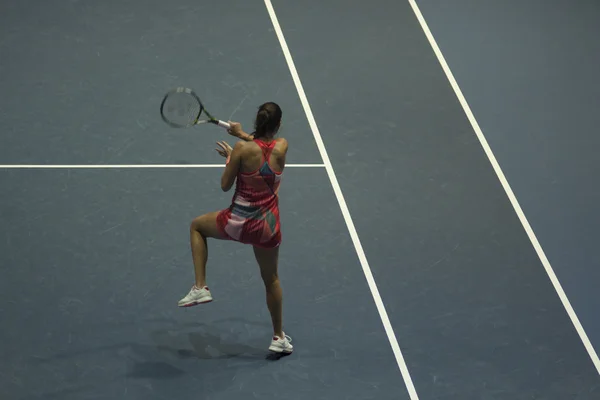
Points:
[[418, 261]]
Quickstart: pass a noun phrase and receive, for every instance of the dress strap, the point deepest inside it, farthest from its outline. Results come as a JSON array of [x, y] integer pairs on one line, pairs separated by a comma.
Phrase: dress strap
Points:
[[266, 148]]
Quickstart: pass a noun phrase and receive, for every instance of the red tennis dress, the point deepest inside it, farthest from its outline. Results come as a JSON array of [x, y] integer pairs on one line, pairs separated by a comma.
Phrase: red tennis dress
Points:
[[253, 216]]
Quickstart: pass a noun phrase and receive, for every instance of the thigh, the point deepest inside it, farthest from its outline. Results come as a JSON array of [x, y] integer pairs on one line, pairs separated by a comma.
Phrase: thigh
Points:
[[207, 225], [268, 260]]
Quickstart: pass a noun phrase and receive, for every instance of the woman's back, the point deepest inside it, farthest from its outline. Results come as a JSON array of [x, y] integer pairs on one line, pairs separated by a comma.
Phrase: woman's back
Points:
[[254, 153], [261, 169]]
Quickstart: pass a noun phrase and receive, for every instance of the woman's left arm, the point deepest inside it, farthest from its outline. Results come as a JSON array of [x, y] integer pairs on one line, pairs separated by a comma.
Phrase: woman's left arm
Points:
[[232, 166]]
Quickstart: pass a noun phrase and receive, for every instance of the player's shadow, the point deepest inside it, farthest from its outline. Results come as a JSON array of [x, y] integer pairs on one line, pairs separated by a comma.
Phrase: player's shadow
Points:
[[204, 346], [174, 352], [206, 342], [154, 370], [275, 356], [210, 346], [213, 355]]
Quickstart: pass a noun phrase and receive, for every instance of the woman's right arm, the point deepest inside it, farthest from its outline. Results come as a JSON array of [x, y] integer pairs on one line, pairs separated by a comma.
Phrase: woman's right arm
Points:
[[236, 130]]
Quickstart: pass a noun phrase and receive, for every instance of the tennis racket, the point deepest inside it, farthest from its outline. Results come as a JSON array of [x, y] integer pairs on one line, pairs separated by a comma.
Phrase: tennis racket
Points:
[[182, 108]]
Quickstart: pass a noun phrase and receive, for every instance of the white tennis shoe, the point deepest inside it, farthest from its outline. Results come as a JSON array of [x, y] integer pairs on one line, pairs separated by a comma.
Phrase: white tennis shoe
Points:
[[281, 345], [196, 296]]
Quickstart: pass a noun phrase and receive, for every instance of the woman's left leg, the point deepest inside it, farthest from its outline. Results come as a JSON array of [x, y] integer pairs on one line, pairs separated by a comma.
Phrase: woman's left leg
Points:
[[201, 228]]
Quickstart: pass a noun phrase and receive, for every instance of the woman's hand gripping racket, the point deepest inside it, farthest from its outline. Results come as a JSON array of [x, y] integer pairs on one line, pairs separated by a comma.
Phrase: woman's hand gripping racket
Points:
[[182, 108]]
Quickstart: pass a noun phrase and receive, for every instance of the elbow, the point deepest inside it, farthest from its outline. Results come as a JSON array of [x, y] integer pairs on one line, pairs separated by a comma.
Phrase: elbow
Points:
[[227, 183]]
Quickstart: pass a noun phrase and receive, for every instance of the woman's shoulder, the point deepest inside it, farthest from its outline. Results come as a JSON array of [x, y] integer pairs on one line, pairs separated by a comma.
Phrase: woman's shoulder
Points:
[[282, 143]]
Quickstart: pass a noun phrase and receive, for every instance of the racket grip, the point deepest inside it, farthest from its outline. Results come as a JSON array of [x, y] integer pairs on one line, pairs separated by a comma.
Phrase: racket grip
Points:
[[223, 124]]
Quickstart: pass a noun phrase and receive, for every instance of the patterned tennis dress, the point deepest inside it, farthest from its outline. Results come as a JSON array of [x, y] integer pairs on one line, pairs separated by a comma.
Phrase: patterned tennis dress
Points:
[[253, 217]]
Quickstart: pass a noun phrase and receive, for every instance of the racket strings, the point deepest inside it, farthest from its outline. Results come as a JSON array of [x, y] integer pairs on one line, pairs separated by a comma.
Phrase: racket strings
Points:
[[181, 109]]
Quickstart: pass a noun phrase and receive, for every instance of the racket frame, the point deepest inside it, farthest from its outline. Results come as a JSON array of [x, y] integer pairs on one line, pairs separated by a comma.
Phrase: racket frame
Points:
[[197, 120]]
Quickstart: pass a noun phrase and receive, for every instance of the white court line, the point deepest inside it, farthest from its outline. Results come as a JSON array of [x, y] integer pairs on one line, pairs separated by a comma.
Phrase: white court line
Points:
[[488, 151], [345, 212], [118, 166]]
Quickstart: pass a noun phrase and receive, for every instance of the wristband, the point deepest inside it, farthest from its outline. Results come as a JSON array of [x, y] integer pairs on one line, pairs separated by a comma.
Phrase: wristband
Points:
[[227, 160]]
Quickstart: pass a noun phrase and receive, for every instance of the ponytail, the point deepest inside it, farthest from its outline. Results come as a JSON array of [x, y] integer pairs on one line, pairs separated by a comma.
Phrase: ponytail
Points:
[[268, 119]]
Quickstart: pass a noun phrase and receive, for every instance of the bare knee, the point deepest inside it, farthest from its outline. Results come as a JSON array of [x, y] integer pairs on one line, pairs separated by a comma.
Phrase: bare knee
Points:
[[206, 225], [271, 281], [196, 224]]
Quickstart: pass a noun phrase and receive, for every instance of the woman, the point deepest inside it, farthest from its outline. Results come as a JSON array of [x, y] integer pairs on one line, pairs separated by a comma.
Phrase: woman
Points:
[[253, 216]]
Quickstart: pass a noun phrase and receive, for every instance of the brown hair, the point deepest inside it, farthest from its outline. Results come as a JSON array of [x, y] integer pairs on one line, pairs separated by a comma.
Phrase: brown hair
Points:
[[267, 120]]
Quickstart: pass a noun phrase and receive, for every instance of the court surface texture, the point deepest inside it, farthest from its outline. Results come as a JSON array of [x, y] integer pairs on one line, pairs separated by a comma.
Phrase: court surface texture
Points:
[[439, 206]]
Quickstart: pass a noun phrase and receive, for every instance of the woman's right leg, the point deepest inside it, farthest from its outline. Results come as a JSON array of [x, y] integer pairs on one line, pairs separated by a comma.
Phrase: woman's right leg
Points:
[[268, 260]]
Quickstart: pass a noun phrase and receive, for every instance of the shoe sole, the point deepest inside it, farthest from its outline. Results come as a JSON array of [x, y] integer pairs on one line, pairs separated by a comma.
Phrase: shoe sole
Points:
[[194, 303], [279, 350]]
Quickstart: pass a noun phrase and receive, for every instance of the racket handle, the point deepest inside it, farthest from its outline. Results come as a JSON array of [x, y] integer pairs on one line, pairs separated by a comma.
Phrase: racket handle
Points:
[[223, 124]]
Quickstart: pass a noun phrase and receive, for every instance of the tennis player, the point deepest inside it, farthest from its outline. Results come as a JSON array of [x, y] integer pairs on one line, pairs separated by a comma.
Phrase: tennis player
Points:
[[256, 165]]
